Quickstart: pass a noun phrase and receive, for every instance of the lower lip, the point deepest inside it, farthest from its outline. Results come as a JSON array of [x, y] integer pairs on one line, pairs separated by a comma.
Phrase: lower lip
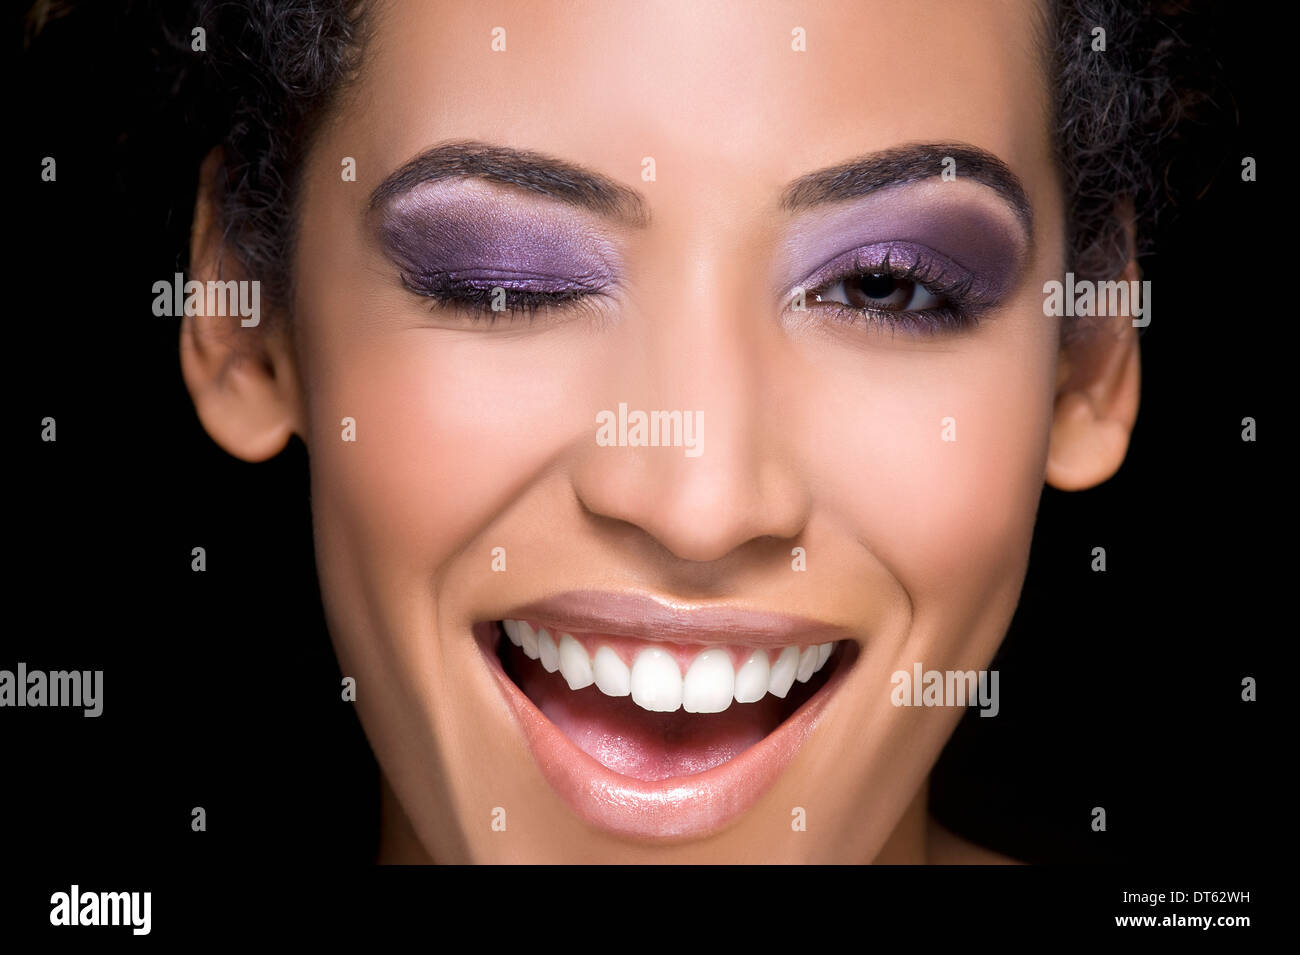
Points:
[[675, 808]]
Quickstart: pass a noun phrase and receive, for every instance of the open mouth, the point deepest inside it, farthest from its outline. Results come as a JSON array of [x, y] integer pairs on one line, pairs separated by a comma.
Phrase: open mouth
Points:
[[656, 711], [655, 720]]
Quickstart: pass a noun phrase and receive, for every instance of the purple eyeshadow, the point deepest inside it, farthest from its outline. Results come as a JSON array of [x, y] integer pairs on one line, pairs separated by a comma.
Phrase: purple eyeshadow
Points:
[[478, 241], [964, 242], [458, 242], [935, 269]]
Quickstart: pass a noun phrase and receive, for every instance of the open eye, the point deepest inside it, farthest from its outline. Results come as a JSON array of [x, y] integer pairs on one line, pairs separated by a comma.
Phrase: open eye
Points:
[[882, 291]]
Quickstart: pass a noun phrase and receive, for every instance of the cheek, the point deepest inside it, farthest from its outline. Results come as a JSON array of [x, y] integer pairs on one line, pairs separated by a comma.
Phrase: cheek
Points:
[[940, 459], [450, 428]]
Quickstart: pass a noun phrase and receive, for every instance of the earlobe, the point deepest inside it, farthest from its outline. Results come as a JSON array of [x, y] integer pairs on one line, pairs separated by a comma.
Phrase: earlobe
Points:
[[242, 378], [244, 397], [1096, 403]]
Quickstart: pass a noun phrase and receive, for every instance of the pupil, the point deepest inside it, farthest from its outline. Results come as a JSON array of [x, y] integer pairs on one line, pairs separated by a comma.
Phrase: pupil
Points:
[[877, 286]]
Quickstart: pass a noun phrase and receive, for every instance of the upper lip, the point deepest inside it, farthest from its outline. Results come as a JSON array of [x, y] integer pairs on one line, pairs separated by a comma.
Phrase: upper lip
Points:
[[646, 617]]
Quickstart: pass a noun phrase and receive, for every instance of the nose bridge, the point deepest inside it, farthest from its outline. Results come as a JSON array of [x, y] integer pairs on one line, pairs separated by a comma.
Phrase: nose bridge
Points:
[[687, 455], [705, 363]]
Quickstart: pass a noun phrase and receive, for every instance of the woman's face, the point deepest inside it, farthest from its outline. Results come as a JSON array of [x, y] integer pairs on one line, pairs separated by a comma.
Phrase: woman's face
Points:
[[862, 471]]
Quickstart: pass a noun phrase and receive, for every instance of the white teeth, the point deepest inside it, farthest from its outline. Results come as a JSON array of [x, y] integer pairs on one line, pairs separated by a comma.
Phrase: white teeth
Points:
[[550, 653], [613, 678], [575, 666], [752, 678], [528, 640], [709, 683], [807, 664], [783, 671], [656, 681]]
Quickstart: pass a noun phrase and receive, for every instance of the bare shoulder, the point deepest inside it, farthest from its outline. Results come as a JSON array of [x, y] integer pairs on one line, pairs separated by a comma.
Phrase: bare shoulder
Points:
[[945, 847]]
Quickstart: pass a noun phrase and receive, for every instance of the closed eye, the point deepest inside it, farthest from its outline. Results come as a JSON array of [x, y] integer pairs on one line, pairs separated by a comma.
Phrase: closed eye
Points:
[[488, 295]]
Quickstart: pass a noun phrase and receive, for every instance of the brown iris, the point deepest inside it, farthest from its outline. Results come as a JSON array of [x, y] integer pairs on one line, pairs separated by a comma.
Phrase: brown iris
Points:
[[878, 290]]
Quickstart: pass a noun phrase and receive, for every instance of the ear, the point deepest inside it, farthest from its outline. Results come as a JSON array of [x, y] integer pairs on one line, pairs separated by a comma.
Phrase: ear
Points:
[[243, 380], [1098, 386]]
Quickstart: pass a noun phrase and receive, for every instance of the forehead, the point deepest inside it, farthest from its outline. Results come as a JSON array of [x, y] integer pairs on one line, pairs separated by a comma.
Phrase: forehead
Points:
[[717, 93]]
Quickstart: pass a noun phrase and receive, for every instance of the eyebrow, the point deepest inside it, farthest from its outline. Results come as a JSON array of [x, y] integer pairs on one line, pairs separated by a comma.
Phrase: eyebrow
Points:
[[582, 187], [516, 167], [904, 164]]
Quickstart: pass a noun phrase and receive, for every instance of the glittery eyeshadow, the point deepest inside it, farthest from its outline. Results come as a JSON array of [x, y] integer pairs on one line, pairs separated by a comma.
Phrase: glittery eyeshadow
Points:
[[475, 236], [953, 232]]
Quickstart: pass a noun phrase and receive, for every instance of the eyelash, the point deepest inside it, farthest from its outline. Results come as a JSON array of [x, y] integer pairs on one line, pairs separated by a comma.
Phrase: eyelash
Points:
[[474, 299], [960, 310]]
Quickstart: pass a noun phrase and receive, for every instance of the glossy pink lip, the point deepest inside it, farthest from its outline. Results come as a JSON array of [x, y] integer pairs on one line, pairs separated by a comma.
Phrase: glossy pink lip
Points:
[[650, 618], [681, 807]]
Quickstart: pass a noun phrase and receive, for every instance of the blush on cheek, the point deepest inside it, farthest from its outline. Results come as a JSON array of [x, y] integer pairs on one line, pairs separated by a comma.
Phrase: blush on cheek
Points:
[[979, 497], [442, 448], [943, 477]]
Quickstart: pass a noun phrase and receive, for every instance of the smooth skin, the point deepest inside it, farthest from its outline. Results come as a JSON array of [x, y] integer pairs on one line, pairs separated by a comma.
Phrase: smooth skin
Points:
[[820, 435]]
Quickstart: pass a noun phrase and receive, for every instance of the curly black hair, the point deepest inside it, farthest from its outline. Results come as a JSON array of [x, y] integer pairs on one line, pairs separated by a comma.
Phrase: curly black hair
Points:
[[1119, 116], [272, 69]]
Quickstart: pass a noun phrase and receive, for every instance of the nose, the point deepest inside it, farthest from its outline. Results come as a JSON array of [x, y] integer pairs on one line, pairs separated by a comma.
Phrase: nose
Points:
[[740, 482]]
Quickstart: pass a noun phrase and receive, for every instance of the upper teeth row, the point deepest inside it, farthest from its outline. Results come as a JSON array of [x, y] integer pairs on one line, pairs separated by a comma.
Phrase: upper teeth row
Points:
[[655, 681]]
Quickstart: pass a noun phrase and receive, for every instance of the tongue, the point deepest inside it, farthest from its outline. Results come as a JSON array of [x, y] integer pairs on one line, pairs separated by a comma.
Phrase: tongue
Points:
[[621, 736]]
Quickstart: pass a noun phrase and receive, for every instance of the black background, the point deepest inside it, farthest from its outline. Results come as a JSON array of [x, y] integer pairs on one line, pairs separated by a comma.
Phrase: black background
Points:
[[221, 689]]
